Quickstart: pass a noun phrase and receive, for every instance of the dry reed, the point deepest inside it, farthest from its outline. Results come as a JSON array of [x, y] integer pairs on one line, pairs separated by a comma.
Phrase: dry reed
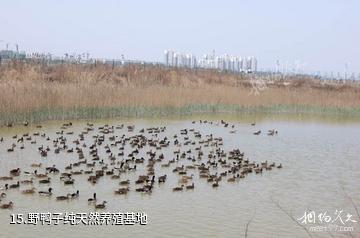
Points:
[[27, 88]]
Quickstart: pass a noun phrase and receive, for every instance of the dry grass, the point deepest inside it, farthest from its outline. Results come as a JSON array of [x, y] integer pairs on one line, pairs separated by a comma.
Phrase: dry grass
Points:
[[25, 88]]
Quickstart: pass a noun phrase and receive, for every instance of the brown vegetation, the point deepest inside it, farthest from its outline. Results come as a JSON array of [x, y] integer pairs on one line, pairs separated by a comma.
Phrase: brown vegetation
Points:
[[29, 87]]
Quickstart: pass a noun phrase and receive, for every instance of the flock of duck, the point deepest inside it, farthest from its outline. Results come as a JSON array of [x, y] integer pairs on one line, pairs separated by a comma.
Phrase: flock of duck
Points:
[[116, 151]]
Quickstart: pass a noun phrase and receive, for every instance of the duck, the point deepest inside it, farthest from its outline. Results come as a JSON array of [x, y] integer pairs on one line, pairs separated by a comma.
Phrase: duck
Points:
[[257, 132], [6, 178], [44, 181], [16, 185], [52, 169], [75, 195], [27, 181], [11, 149], [90, 164], [133, 168], [61, 198], [279, 166], [215, 185], [46, 193], [115, 176], [40, 175], [272, 132], [189, 187], [77, 172], [110, 172], [142, 189], [166, 165], [183, 180], [89, 171], [69, 182], [34, 165], [7, 205], [100, 205], [178, 188], [162, 179], [232, 179], [15, 172], [188, 177], [93, 199], [29, 191], [122, 191], [125, 182]]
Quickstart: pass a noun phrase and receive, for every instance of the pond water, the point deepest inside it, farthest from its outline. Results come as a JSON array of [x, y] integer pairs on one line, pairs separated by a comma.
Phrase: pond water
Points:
[[320, 173]]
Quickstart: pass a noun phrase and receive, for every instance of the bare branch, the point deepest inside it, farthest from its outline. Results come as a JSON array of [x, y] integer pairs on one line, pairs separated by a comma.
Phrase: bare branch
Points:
[[291, 217], [352, 202], [248, 223], [350, 234]]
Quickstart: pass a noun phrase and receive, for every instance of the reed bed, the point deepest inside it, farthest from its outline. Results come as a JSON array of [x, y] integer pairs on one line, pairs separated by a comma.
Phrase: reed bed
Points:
[[37, 92]]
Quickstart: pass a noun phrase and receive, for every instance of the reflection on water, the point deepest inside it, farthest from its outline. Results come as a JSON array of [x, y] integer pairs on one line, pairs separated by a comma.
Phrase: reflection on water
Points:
[[320, 171]]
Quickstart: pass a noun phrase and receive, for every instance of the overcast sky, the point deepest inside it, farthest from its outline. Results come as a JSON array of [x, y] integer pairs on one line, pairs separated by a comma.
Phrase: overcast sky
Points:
[[317, 34]]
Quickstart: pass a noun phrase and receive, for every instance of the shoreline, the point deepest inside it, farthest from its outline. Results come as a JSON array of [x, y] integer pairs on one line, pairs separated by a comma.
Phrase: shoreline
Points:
[[128, 112]]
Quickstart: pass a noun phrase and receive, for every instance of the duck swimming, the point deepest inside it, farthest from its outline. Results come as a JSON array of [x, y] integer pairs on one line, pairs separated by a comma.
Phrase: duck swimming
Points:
[[46, 193], [7, 205], [189, 187], [93, 199], [17, 185], [178, 188], [101, 205], [44, 181], [75, 195], [122, 191], [29, 191], [257, 132], [15, 172], [62, 198], [195, 152]]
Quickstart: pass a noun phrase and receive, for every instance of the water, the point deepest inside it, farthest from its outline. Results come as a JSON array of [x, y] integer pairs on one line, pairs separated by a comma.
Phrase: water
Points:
[[320, 172]]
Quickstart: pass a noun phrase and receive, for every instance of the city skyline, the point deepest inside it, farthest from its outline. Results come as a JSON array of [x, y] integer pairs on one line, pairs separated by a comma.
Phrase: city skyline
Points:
[[296, 66], [172, 58], [211, 61], [309, 35]]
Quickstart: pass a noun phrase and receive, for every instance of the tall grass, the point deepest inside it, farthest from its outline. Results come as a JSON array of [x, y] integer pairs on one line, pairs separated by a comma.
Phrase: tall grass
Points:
[[38, 92]]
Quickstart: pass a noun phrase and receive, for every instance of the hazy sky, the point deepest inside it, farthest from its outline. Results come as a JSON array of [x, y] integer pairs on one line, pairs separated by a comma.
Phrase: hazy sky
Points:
[[318, 34]]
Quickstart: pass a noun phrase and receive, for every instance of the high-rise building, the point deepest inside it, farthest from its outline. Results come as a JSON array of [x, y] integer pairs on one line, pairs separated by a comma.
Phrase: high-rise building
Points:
[[253, 64], [166, 54], [225, 62]]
